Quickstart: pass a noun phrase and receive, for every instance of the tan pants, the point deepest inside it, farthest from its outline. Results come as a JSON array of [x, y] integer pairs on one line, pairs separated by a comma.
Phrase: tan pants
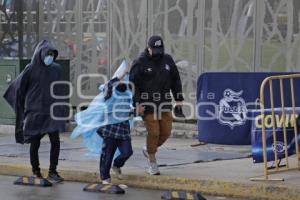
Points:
[[159, 130]]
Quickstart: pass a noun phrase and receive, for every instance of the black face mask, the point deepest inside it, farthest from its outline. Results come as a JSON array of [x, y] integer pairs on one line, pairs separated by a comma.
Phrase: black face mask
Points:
[[157, 56]]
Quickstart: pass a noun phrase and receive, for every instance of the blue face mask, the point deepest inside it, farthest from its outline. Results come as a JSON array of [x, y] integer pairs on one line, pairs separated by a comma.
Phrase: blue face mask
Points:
[[48, 60]]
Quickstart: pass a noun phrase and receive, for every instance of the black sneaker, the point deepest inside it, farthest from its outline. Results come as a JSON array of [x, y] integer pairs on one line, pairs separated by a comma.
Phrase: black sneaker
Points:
[[37, 174], [54, 176]]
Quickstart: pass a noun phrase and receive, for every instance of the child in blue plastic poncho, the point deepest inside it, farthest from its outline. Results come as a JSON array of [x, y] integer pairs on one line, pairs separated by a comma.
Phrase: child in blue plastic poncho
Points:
[[108, 116]]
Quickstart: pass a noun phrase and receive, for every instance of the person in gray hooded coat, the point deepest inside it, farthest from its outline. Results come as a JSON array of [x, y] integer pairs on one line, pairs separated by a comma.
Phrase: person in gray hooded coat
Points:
[[30, 97]]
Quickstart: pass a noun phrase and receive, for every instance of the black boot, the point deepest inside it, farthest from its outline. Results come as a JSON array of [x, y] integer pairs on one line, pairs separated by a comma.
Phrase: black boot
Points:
[[37, 174], [54, 176]]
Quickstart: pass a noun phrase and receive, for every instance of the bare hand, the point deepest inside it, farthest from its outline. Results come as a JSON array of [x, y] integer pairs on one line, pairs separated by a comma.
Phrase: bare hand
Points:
[[141, 110], [179, 103], [127, 70]]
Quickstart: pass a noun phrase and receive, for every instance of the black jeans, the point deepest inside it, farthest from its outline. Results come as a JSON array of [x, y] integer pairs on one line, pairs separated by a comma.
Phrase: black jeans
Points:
[[109, 148], [54, 153]]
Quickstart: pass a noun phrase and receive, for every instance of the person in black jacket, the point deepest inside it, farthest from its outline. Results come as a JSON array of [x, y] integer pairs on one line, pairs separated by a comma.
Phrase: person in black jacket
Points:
[[154, 75], [30, 97]]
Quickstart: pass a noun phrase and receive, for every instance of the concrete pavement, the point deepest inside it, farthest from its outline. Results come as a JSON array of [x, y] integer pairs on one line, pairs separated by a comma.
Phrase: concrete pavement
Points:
[[184, 168], [71, 190]]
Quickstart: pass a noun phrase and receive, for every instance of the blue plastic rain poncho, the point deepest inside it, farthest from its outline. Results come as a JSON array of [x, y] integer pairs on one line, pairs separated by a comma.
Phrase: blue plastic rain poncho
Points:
[[99, 113]]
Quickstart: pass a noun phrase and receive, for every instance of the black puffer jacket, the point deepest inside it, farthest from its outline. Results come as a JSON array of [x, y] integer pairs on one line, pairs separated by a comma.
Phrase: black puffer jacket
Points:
[[154, 80]]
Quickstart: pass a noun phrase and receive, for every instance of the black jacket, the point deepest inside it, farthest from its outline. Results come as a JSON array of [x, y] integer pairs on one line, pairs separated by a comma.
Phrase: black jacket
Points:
[[29, 95], [154, 80]]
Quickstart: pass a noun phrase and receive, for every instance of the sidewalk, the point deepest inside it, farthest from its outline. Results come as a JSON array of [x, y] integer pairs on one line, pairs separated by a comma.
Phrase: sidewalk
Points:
[[182, 167]]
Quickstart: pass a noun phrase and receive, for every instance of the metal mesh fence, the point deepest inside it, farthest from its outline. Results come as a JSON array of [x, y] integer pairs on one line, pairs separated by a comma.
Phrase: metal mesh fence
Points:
[[201, 35]]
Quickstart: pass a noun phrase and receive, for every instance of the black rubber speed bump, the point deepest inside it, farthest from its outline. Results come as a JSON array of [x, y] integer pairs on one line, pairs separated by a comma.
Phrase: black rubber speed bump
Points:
[[182, 195], [33, 181], [111, 189]]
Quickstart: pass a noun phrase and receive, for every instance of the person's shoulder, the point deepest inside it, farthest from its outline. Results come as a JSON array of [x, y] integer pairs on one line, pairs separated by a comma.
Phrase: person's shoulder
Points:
[[139, 60], [27, 70], [168, 57], [56, 66]]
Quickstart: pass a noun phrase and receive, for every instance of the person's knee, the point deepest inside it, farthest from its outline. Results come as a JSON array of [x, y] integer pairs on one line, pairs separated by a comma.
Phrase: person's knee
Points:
[[35, 144], [34, 147], [54, 139], [55, 143], [152, 127], [165, 128], [153, 136], [153, 132], [165, 133], [128, 154]]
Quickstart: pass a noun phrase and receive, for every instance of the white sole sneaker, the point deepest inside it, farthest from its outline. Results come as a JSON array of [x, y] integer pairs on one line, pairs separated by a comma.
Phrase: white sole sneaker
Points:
[[153, 169], [117, 172], [106, 182], [153, 174], [123, 186]]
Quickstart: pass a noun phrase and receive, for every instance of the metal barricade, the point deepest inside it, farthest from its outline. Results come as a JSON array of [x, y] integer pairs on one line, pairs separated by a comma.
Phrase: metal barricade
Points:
[[288, 165]]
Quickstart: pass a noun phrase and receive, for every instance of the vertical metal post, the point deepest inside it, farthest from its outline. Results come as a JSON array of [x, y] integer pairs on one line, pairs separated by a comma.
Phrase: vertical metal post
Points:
[[289, 35], [165, 24], [294, 120], [150, 12], [284, 124], [79, 37], [262, 107], [29, 30], [37, 19], [201, 44], [19, 8], [273, 124], [109, 36], [259, 20], [40, 20]]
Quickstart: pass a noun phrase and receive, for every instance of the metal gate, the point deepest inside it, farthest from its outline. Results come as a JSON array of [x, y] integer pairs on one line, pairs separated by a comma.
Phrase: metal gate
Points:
[[267, 85], [201, 35]]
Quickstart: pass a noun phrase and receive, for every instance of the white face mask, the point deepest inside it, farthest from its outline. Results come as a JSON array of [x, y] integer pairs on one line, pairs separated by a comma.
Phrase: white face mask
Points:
[[48, 60]]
